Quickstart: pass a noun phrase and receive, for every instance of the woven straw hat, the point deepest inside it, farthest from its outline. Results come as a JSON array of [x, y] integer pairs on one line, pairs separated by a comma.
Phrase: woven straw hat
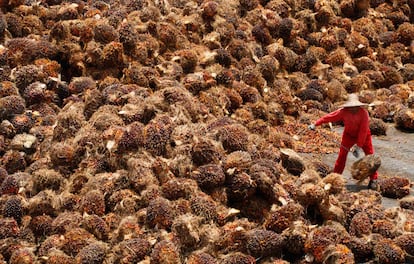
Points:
[[353, 101]]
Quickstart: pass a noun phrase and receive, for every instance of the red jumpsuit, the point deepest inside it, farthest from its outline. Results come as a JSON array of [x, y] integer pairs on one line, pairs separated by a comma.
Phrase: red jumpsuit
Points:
[[356, 131]]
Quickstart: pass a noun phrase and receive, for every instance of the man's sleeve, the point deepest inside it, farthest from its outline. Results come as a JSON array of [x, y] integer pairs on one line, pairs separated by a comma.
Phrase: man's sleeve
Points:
[[363, 130], [334, 116]]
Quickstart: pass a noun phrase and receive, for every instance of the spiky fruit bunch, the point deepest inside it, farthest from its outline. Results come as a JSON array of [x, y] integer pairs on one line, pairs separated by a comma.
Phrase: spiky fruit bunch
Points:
[[165, 252], [292, 161], [14, 161], [334, 182], [283, 217], [295, 238], [310, 94], [22, 255], [132, 250], [322, 237], [11, 105], [240, 186], [69, 121], [75, 240], [201, 258], [105, 33], [388, 252], [233, 137], [46, 179], [378, 127], [93, 253], [395, 187], [156, 134], [404, 119], [205, 152], [407, 203], [406, 242], [360, 225], [66, 221], [96, 225], [51, 242], [385, 227], [362, 248], [237, 159], [177, 188], [9, 185], [8, 228], [26, 50], [81, 84], [203, 205], [238, 258], [93, 202], [56, 256], [209, 176], [13, 208], [186, 229], [265, 173], [261, 242], [160, 213], [41, 225]]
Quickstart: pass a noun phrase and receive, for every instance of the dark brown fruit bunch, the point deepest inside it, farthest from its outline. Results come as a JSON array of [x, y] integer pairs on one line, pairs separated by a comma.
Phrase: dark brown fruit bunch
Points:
[[234, 137], [240, 186], [205, 152], [261, 242], [406, 242], [385, 228], [360, 225], [96, 225], [238, 258], [93, 202], [8, 228], [11, 105], [13, 208], [9, 185], [160, 213], [283, 217], [157, 134], [93, 253], [362, 248], [209, 176], [388, 252], [201, 258], [203, 205], [105, 33], [41, 225], [75, 240], [378, 127], [395, 187]]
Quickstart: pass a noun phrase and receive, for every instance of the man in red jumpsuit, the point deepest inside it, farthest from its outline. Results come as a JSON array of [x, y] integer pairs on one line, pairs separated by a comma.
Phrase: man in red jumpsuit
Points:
[[356, 133]]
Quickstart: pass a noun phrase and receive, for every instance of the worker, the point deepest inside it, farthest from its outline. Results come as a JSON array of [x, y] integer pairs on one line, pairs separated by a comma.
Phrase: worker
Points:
[[356, 135]]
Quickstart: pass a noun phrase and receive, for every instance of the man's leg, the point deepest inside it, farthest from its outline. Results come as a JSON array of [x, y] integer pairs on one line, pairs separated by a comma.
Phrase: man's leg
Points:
[[346, 143]]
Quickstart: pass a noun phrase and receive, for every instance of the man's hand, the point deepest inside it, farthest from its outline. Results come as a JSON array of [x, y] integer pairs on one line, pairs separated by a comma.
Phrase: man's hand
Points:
[[356, 151], [311, 126]]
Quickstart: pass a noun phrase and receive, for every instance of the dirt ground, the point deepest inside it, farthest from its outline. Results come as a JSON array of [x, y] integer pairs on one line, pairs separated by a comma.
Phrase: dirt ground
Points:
[[396, 150]]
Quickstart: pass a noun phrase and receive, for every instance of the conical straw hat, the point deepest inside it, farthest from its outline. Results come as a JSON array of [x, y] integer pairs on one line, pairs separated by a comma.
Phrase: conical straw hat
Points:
[[353, 101]]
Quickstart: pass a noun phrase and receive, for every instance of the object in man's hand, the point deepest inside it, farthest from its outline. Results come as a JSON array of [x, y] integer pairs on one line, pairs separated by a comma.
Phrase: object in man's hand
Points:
[[356, 151], [365, 167]]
